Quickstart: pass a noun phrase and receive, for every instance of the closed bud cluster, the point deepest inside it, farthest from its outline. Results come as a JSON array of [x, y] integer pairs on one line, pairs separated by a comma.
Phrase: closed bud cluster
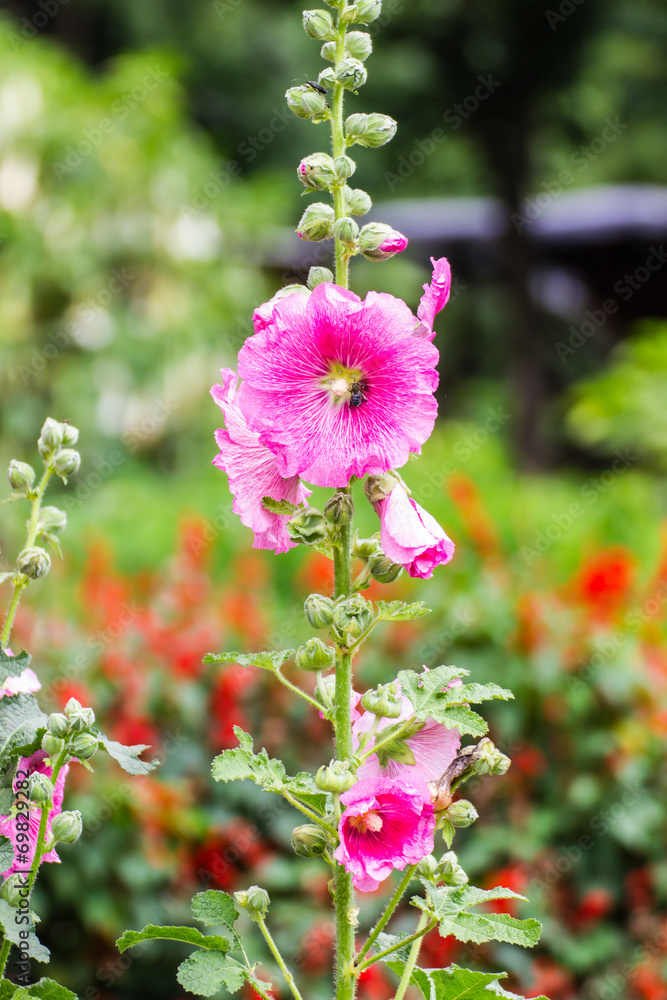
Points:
[[308, 527], [449, 871], [383, 569], [357, 202], [383, 700], [52, 520], [21, 476], [79, 718], [309, 841], [346, 231], [344, 167], [255, 900], [66, 463], [307, 103], [339, 509], [55, 440], [351, 617], [358, 44], [368, 10], [50, 438], [461, 813], [351, 73], [319, 276], [33, 562], [41, 789], [336, 777], [318, 24], [369, 130], [316, 222], [489, 759], [317, 172], [379, 241], [67, 827], [315, 655], [84, 746], [318, 610]]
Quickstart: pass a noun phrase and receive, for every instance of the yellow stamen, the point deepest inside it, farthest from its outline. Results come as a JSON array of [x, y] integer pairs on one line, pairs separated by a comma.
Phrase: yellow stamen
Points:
[[368, 822]]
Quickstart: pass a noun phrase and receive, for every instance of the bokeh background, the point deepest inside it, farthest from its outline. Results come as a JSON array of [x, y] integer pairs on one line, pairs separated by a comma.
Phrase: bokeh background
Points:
[[148, 198]]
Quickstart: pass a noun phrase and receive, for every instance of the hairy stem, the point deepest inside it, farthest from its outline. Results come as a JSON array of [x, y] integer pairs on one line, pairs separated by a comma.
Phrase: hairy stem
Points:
[[338, 148], [287, 975], [412, 957], [391, 906], [382, 955], [40, 846]]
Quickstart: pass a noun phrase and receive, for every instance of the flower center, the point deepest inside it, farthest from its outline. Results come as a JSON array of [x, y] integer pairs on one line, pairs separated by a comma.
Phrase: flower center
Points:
[[339, 380], [368, 822]]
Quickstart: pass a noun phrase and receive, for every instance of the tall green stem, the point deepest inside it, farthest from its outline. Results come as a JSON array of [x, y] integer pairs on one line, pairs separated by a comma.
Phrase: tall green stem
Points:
[[40, 846], [412, 958], [338, 149], [391, 906], [287, 975]]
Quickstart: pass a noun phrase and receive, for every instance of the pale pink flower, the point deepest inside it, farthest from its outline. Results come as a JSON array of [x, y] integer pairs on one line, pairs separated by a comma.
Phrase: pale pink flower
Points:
[[253, 472], [435, 297], [386, 824], [27, 682], [434, 747], [410, 536], [8, 824], [337, 386]]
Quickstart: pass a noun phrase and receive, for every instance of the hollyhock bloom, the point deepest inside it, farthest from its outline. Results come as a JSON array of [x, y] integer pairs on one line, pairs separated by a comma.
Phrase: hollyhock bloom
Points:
[[435, 297], [27, 682], [339, 386], [434, 747], [8, 824], [410, 536], [253, 472], [386, 825]]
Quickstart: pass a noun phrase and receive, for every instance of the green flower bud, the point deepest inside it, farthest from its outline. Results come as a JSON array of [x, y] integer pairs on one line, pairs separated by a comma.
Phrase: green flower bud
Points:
[[316, 172], [461, 813], [357, 202], [57, 724], [309, 841], [364, 548], [73, 706], [52, 745], [80, 718], [344, 167], [358, 44], [378, 487], [308, 527], [319, 276], [368, 10], [348, 14], [67, 827], [307, 103], [33, 562], [255, 900], [318, 24], [315, 655], [318, 610], [351, 617], [489, 759], [327, 78], [346, 231], [369, 130], [66, 463], [50, 438], [21, 476], [336, 777], [326, 688], [384, 701], [428, 868], [328, 51], [14, 889], [316, 222], [339, 509], [70, 435], [52, 519], [383, 569], [41, 789], [450, 871], [351, 73], [84, 746]]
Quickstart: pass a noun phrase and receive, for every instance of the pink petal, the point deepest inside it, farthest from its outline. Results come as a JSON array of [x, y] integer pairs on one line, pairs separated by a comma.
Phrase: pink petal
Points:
[[410, 536], [26, 683], [435, 297]]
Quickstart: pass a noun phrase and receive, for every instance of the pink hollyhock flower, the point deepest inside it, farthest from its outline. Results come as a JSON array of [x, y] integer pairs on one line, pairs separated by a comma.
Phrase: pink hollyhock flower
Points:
[[261, 317], [410, 536], [434, 747], [8, 824], [337, 386], [27, 682], [253, 472], [396, 243], [435, 297], [387, 824]]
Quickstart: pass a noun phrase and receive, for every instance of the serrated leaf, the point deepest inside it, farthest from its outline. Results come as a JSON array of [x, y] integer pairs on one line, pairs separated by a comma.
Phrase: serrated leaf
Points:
[[473, 694], [205, 972], [22, 722], [384, 941], [460, 717], [13, 666], [452, 983], [422, 689], [451, 905], [49, 989], [280, 506], [188, 935], [242, 762], [127, 757], [12, 931], [215, 908], [6, 852], [266, 659], [399, 611]]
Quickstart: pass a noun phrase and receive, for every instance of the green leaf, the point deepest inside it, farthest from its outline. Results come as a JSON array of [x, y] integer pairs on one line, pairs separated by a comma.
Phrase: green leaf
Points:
[[398, 750], [280, 506], [22, 724], [451, 904], [242, 762], [12, 931], [455, 983], [423, 689], [460, 717], [49, 989], [6, 853], [384, 941], [188, 935], [215, 908], [127, 757], [473, 694], [266, 659], [399, 611], [205, 972]]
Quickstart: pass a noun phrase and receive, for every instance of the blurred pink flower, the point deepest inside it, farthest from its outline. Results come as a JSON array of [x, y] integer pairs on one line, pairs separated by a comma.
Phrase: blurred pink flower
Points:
[[387, 824], [253, 472], [435, 297], [337, 386], [410, 536], [8, 824], [27, 682]]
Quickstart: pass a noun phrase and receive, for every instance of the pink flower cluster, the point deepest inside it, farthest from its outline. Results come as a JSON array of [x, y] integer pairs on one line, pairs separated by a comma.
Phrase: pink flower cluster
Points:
[[333, 387]]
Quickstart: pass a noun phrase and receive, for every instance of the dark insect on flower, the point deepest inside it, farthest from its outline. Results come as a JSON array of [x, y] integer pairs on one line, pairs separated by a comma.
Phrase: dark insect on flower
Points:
[[316, 86], [357, 393]]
